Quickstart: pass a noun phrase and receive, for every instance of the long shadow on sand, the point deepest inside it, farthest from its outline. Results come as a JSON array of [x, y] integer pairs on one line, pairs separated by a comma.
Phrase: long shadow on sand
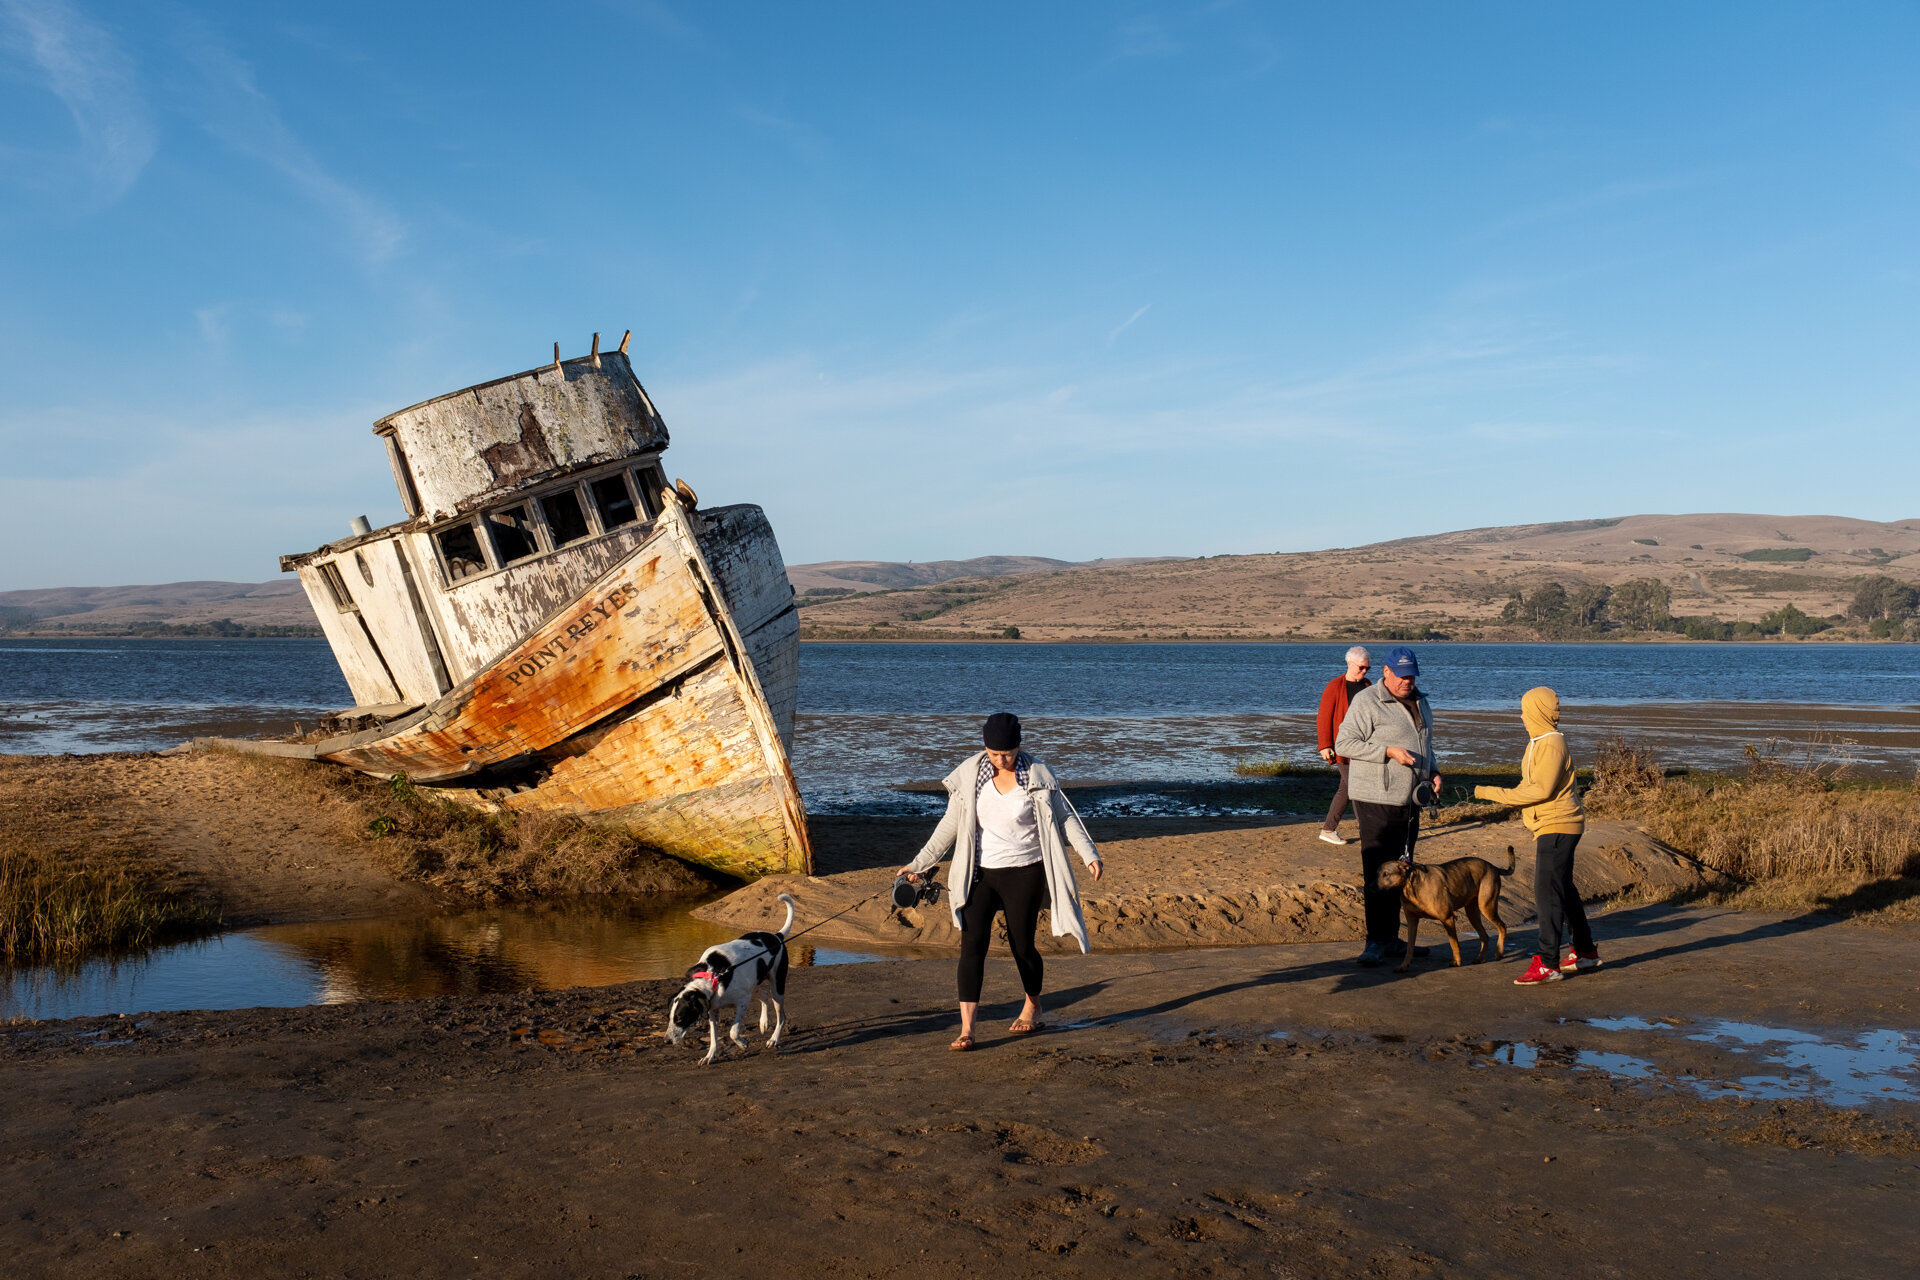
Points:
[[1617, 928], [1649, 922], [1060, 1003]]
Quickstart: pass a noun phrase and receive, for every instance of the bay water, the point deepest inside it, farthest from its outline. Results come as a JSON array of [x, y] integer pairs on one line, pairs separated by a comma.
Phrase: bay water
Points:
[[877, 725]]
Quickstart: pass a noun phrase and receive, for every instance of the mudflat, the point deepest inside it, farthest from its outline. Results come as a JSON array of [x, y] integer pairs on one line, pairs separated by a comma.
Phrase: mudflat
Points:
[[1256, 1111]]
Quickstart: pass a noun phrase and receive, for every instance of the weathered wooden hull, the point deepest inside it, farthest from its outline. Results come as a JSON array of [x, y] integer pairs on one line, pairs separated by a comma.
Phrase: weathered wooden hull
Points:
[[640, 704]]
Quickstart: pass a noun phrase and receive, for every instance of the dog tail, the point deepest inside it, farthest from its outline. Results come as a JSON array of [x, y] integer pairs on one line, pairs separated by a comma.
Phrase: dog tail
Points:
[[788, 899], [1513, 860]]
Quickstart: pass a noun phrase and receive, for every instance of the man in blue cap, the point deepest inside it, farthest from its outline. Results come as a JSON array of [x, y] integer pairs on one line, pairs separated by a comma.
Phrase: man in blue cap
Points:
[[1388, 735]]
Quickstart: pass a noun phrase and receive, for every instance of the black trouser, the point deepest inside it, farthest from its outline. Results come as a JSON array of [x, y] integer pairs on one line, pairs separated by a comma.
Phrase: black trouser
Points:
[[1019, 893], [1387, 832], [1555, 901], [1338, 809]]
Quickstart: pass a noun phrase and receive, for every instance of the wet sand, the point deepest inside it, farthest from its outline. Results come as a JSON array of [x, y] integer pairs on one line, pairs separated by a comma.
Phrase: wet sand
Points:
[[1158, 1128]]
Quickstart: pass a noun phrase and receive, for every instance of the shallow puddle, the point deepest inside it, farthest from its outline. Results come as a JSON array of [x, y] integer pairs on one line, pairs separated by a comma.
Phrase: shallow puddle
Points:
[[1623, 1065], [1524, 1056], [1875, 1066], [390, 958], [1880, 1065]]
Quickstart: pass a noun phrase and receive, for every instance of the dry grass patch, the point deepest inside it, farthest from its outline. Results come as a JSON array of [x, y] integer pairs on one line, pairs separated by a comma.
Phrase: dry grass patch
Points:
[[492, 857], [72, 884], [1794, 833]]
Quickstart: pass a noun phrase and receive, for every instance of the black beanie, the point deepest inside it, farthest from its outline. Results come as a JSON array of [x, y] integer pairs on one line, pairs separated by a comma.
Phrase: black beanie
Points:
[[1002, 732]]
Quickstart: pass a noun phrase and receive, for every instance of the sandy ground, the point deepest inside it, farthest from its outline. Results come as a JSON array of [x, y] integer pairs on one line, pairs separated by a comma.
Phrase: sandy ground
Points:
[[1158, 1127], [265, 856], [1184, 882]]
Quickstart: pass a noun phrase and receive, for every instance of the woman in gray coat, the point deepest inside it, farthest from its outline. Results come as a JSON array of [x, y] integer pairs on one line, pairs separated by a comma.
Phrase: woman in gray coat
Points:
[[1008, 825]]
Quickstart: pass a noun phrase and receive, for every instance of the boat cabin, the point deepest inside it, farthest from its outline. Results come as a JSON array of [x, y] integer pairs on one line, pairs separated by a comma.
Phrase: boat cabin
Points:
[[519, 493]]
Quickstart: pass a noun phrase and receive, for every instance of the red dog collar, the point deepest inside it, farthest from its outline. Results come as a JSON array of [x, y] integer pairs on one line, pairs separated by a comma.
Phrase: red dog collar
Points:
[[709, 976]]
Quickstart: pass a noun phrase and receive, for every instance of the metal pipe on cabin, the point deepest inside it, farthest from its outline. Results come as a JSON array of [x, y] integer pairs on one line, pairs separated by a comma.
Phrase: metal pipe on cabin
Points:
[[595, 357], [360, 525], [624, 339], [556, 358]]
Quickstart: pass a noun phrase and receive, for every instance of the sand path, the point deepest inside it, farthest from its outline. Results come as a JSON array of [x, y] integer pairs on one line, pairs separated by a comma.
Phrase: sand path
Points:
[[1185, 882]]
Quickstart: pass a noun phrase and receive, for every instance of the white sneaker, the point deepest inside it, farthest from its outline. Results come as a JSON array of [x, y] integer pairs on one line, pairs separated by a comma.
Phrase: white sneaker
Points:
[[1331, 837]]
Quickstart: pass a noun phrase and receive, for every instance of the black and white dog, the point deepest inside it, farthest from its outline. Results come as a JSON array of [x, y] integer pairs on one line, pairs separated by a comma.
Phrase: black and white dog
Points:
[[729, 974]]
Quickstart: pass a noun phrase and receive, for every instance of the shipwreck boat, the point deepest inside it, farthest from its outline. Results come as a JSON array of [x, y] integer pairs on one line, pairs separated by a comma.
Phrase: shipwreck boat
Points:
[[556, 627]]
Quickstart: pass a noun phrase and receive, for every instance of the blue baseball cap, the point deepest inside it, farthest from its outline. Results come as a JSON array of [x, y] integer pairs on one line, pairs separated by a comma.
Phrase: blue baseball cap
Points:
[[1402, 663]]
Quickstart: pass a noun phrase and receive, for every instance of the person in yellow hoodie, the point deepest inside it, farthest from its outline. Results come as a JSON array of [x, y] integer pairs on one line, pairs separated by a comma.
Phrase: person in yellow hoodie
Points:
[[1549, 804]]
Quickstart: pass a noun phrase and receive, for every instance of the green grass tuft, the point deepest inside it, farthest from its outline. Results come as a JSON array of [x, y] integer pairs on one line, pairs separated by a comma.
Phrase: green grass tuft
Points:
[[55, 909]]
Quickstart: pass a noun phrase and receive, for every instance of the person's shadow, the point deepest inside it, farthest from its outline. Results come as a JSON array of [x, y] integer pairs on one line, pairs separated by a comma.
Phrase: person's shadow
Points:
[[1632, 924]]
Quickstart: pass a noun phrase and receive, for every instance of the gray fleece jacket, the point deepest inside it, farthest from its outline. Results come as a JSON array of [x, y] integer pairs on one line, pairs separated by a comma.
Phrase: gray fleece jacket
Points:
[[1376, 721], [1059, 825]]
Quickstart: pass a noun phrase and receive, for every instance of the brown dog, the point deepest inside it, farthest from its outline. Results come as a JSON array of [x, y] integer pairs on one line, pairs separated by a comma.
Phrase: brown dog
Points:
[[1436, 892]]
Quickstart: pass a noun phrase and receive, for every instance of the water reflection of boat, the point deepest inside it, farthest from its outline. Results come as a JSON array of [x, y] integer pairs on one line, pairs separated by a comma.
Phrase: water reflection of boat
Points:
[[407, 958], [556, 627]]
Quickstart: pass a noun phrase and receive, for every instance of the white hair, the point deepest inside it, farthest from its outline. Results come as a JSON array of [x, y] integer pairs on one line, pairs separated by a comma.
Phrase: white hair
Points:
[[1358, 654]]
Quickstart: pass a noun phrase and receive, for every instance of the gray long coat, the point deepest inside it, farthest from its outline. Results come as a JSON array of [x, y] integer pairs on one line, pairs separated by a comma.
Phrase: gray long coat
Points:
[[1059, 825]]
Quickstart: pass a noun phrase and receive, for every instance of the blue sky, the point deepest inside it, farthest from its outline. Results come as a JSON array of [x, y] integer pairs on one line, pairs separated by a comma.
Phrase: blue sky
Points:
[[940, 280]]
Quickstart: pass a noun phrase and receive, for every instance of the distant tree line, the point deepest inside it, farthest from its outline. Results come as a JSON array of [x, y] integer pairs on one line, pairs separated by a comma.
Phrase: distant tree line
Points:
[[1885, 604], [222, 628], [1645, 605]]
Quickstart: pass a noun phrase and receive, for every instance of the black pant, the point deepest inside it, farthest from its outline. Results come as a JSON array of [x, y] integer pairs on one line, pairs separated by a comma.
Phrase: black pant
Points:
[[1019, 893], [1338, 809], [1387, 832], [1555, 901]]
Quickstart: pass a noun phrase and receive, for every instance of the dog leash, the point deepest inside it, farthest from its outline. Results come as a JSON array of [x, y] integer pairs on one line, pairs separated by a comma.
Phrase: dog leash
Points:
[[836, 915]]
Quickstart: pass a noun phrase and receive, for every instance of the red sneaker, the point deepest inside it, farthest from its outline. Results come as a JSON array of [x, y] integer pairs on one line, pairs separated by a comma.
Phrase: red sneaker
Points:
[[1580, 962], [1537, 972]]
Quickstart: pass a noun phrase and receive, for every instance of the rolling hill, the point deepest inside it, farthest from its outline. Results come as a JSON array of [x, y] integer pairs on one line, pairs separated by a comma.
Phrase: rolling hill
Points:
[[1735, 568]]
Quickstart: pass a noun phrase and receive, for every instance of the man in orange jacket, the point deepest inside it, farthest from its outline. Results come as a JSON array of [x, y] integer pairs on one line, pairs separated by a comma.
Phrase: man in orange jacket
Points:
[[1334, 700]]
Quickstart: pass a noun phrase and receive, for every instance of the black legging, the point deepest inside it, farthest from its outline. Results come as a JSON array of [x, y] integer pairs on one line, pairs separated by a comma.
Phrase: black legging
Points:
[[1387, 831], [1555, 901], [1019, 892]]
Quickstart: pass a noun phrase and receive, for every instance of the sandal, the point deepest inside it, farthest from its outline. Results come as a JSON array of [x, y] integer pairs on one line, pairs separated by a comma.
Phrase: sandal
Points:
[[961, 1045], [1023, 1028]]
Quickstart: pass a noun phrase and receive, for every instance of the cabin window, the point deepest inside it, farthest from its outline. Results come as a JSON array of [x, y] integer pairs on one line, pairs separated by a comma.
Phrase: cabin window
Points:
[[460, 549], [513, 535], [614, 501], [565, 520], [652, 481], [366, 570], [337, 587]]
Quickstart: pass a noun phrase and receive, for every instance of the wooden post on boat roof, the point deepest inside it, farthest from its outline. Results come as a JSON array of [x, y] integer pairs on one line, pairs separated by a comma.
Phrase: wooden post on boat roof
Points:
[[596, 351], [556, 358], [625, 338]]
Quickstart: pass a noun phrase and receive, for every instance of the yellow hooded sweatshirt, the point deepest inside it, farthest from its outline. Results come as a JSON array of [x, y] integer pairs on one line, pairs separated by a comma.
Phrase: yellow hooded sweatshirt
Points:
[[1548, 801]]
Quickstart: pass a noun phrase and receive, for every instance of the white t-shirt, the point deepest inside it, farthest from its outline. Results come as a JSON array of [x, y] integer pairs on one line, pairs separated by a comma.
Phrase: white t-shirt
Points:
[[1009, 833]]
